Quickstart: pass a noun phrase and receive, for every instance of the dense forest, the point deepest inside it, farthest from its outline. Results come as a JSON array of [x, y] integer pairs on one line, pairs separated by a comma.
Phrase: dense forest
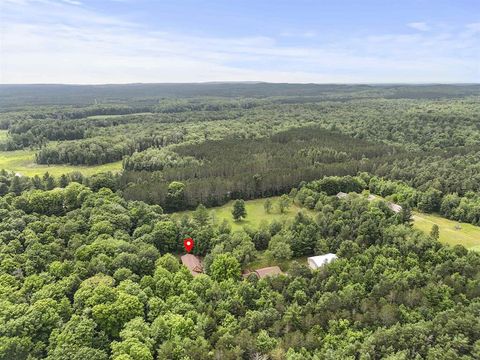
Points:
[[90, 275], [89, 264]]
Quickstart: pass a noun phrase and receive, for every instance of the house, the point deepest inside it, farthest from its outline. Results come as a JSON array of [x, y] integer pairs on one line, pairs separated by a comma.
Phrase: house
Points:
[[394, 207], [342, 195], [268, 271], [193, 264], [316, 262]]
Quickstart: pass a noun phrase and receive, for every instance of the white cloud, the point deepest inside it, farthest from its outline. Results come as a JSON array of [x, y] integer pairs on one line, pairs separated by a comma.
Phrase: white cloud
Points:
[[72, 2], [421, 26], [55, 42]]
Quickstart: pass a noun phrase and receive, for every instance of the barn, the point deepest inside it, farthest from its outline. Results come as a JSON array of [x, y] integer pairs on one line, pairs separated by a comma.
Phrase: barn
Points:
[[316, 262]]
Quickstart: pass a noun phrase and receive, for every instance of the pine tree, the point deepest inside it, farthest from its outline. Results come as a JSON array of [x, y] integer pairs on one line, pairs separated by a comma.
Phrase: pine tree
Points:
[[201, 215], [435, 232], [283, 203], [63, 181], [238, 211], [267, 205], [16, 186]]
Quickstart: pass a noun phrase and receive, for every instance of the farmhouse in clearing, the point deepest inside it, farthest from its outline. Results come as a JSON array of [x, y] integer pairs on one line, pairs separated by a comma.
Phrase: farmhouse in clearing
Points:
[[316, 262], [193, 264]]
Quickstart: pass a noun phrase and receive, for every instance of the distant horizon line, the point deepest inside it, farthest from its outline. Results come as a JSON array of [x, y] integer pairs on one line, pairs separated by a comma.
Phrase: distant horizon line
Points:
[[249, 82]]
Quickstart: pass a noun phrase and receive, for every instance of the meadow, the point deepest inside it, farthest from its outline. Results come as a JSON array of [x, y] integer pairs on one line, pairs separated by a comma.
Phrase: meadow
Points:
[[23, 162], [467, 235], [256, 214]]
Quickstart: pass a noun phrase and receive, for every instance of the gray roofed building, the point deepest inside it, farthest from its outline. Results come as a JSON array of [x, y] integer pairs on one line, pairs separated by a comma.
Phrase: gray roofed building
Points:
[[268, 271]]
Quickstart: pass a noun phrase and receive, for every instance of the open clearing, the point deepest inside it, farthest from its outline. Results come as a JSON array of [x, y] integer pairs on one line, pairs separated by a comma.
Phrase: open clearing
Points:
[[23, 162], [468, 235], [255, 213], [101, 117]]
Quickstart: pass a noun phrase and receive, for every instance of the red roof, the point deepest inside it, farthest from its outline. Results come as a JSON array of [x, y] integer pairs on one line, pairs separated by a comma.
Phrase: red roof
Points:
[[193, 264]]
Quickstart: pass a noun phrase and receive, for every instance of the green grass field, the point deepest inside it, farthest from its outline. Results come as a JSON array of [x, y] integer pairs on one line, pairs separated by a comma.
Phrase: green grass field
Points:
[[468, 235], [255, 213], [23, 162]]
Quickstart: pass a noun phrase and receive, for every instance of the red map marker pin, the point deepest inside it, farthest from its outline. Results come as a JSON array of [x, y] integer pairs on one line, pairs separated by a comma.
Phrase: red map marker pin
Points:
[[188, 244]]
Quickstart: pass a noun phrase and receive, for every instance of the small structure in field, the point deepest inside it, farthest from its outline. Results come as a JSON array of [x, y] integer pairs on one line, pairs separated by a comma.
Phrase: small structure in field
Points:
[[316, 262], [342, 195], [193, 264], [394, 207], [268, 271], [371, 197]]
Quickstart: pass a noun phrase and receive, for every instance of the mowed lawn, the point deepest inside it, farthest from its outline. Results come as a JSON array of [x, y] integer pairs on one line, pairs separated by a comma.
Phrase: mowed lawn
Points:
[[468, 235], [23, 162], [255, 213]]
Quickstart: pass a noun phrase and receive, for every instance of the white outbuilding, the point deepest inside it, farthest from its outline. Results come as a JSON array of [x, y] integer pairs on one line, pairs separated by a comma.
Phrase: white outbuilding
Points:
[[316, 262]]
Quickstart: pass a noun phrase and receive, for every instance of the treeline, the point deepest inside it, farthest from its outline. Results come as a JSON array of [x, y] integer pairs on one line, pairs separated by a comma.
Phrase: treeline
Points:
[[34, 133], [412, 124], [154, 159], [86, 152], [11, 183], [251, 168], [430, 200], [102, 150], [13, 96], [451, 171], [153, 188], [34, 129]]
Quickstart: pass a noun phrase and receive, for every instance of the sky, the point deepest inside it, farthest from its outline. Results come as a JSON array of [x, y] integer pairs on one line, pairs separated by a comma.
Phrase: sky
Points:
[[296, 41]]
